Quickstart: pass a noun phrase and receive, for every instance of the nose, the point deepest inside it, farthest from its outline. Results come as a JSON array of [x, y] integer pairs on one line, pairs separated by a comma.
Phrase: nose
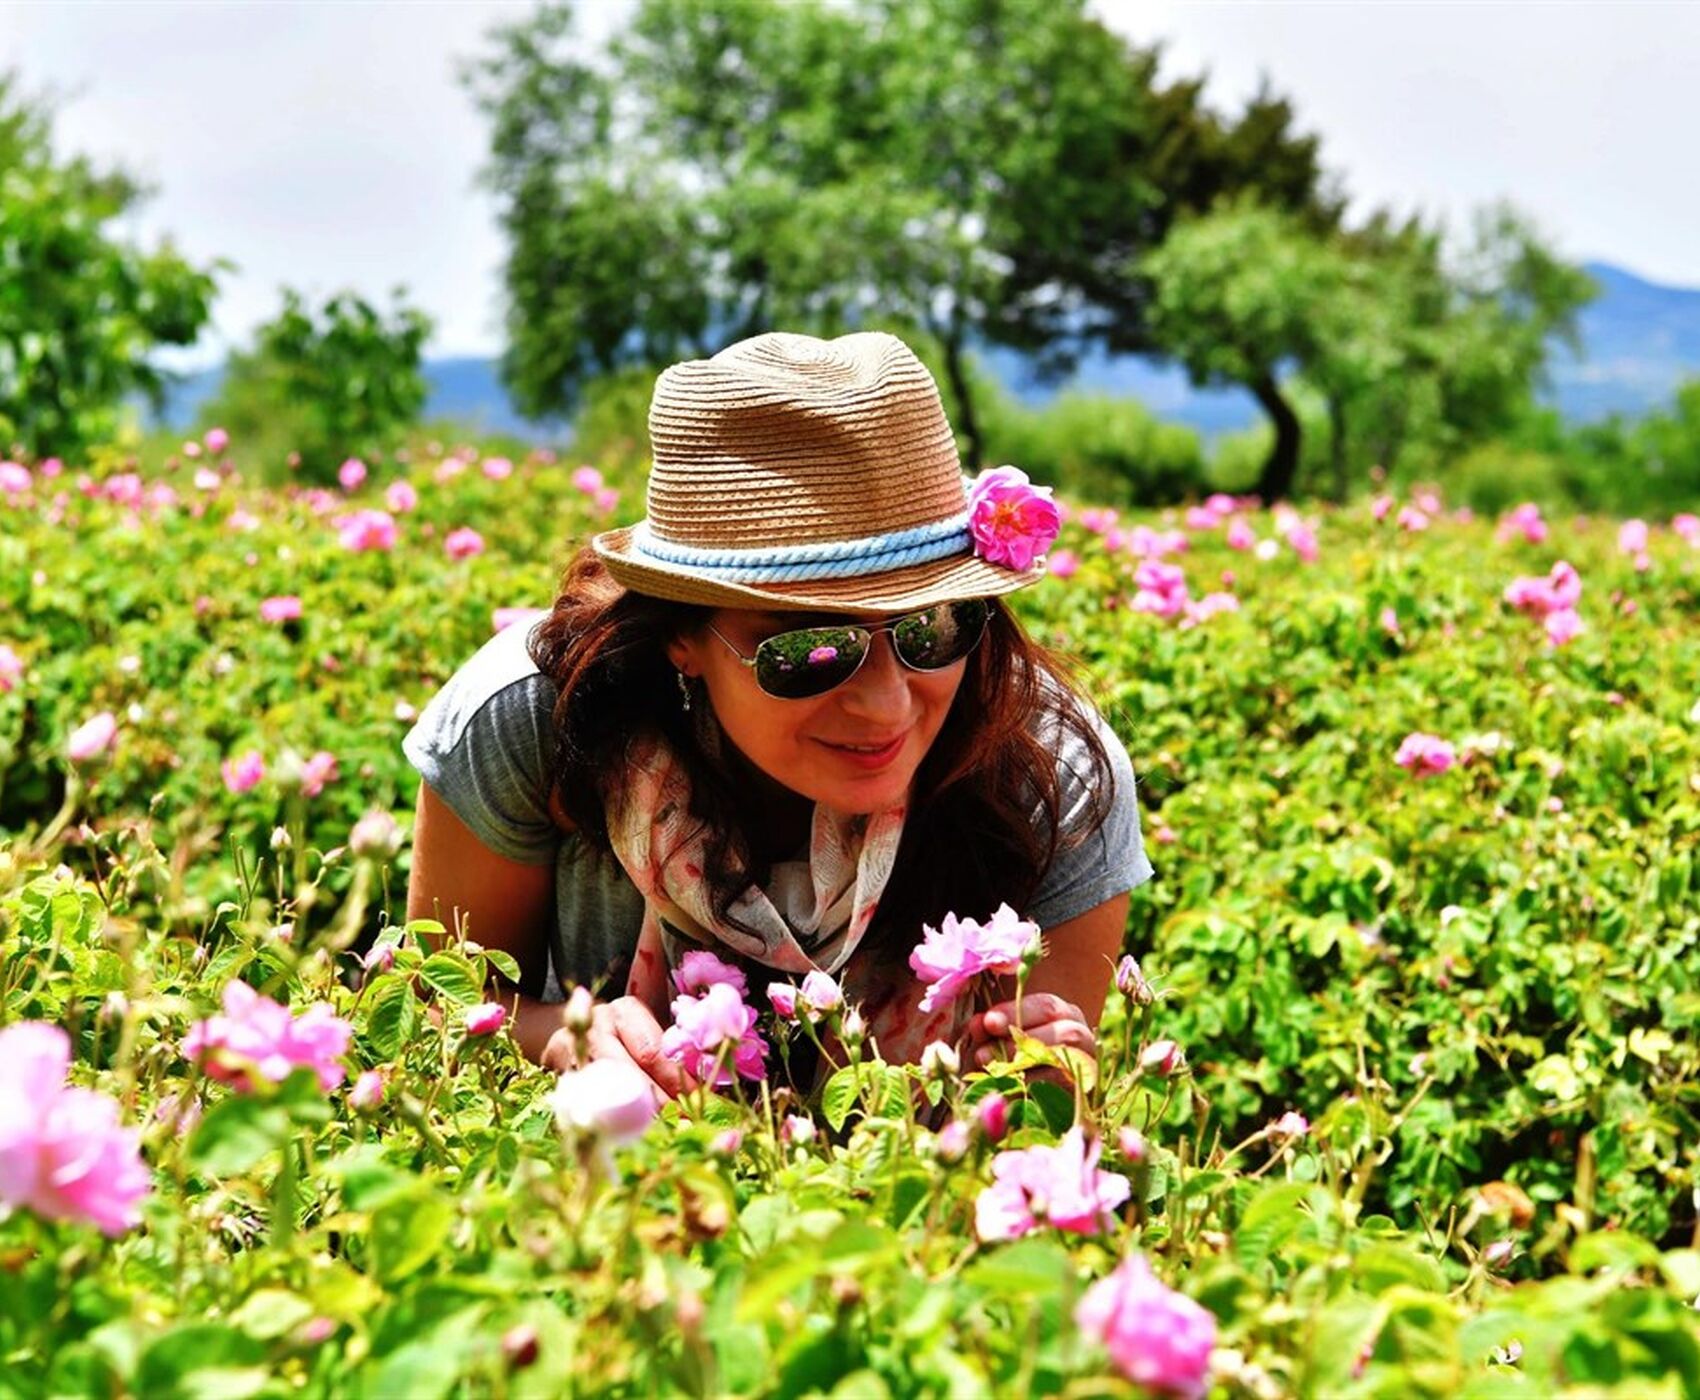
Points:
[[879, 691]]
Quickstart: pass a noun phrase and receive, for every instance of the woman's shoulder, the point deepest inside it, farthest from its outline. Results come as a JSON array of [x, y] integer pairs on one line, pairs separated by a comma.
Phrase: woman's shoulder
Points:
[[485, 742], [1065, 723], [500, 675]]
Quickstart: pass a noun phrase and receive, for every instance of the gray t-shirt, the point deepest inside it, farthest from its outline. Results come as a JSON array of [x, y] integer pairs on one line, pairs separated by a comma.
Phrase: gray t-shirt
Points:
[[485, 743]]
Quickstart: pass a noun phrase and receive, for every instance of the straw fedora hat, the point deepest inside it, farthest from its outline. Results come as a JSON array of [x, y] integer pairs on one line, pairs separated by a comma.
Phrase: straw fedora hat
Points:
[[791, 473]]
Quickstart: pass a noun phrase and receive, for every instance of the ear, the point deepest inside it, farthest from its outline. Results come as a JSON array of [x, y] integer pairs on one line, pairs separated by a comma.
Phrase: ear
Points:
[[685, 655]]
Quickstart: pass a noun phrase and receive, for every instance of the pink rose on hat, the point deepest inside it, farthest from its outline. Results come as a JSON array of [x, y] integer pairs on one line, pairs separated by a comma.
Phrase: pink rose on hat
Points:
[[1012, 520]]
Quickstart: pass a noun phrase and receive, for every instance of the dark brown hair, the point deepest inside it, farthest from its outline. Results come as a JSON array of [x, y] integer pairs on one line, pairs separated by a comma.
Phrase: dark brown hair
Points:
[[983, 824]]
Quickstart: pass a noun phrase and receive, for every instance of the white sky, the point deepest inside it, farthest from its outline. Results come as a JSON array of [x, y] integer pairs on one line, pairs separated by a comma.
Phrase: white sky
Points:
[[328, 145]]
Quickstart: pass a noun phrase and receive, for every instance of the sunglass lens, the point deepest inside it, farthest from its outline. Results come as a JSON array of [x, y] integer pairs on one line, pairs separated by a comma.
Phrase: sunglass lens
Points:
[[810, 661], [940, 636]]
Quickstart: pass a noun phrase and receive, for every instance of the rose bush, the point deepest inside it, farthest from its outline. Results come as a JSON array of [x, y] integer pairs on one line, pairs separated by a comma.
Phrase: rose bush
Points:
[[1398, 1099]]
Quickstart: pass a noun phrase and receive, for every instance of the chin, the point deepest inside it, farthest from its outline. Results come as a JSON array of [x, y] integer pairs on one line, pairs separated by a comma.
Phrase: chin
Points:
[[868, 796]]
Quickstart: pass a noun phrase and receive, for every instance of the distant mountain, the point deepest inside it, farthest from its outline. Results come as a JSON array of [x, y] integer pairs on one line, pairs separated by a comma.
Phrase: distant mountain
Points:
[[1640, 341], [465, 389]]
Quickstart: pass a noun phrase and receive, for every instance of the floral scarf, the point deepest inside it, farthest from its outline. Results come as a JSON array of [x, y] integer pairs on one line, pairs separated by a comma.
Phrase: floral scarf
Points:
[[811, 916]]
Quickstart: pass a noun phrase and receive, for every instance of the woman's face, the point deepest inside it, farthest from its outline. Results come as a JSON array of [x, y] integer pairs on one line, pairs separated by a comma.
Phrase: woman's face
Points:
[[857, 747]]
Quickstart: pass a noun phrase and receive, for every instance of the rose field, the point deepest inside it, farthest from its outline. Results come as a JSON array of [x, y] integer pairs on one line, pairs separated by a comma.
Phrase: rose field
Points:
[[1400, 1098]]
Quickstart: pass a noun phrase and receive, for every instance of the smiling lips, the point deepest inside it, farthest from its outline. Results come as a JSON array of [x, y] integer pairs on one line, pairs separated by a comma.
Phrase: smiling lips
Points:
[[868, 756]]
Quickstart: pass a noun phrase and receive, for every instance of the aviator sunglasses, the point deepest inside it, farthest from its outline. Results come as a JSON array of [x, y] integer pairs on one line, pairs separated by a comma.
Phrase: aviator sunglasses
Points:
[[810, 661]]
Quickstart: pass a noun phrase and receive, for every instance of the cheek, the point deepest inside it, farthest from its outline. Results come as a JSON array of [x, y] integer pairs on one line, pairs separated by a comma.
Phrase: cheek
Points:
[[768, 732]]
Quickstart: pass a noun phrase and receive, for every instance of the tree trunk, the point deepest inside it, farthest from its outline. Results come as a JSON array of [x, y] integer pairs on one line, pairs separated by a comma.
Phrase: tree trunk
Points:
[[956, 371], [1282, 464], [1337, 447]]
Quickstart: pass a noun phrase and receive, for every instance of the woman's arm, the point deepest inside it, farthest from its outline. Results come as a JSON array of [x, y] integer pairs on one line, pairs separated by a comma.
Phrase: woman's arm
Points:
[[504, 904], [508, 905]]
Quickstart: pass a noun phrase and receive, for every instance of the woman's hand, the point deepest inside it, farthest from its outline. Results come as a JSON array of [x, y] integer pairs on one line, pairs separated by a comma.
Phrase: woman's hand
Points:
[[1045, 1016], [622, 1029]]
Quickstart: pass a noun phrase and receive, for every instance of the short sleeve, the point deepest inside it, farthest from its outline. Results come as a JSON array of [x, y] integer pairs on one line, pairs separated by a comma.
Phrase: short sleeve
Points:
[[485, 745], [1111, 860]]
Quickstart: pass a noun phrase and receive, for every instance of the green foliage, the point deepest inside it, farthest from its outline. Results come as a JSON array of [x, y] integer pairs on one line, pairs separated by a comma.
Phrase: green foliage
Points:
[[1477, 986], [81, 309], [1414, 360], [1097, 448], [952, 167], [324, 385], [611, 426]]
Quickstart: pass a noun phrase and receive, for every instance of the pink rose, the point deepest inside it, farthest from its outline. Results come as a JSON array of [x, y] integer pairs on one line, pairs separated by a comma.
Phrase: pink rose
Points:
[[463, 543], [368, 1091], [257, 1039], [319, 770], [63, 1153], [486, 1018], [991, 1116], [1158, 1338], [1424, 754], [1564, 626], [351, 474], [611, 1100], [216, 440], [367, 530], [498, 468], [401, 497], [587, 480], [11, 668], [285, 607], [1062, 563], [820, 995], [1162, 1059], [244, 773], [951, 956], [1012, 521], [699, 970], [14, 478], [92, 737], [783, 998], [1059, 1185], [1524, 521], [703, 1026]]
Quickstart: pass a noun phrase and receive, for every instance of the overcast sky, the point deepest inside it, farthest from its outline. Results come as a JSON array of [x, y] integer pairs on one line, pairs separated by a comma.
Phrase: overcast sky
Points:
[[329, 145]]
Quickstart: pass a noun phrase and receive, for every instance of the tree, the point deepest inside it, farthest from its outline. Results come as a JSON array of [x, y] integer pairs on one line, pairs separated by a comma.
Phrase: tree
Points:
[[1402, 345], [340, 381], [1243, 296], [81, 310], [974, 170]]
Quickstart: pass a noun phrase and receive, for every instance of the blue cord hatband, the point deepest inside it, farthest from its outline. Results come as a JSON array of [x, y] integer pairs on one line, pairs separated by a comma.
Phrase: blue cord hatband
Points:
[[826, 559]]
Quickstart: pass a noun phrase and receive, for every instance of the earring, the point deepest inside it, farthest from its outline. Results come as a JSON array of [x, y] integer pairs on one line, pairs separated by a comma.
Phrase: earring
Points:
[[684, 691]]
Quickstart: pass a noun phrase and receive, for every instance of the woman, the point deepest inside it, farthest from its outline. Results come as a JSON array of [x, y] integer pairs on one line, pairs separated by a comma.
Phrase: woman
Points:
[[786, 718]]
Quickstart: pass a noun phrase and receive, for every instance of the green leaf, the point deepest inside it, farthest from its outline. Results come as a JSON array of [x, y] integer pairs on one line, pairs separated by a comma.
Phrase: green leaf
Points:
[[235, 1133], [504, 963], [1382, 1266], [1030, 1267], [270, 1313], [1055, 1104], [392, 1015], [454, 977], [839, 1097], [407, 1230], [214, 1348], [1613, 1249], [1272, 1218]]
